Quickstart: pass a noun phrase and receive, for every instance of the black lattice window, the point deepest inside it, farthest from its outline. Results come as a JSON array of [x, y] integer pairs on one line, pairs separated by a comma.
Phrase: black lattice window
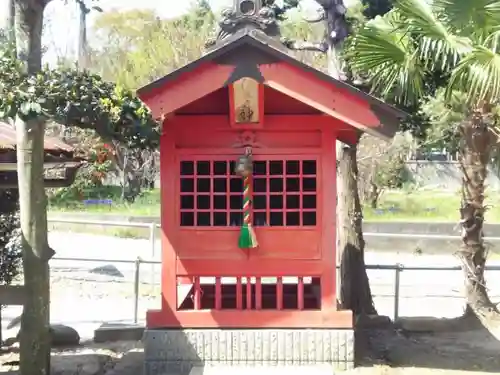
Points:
[[211, 194], [284, 193]]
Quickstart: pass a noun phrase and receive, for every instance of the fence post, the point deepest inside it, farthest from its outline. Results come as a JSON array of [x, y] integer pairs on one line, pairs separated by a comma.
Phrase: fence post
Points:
[[152, 241], [397, 272], [136, 288]]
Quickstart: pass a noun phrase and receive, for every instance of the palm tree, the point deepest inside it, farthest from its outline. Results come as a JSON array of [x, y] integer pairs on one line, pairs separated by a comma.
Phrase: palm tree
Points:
[[398, 52]]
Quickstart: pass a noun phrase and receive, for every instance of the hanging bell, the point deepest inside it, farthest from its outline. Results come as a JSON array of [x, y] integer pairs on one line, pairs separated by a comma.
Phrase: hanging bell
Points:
[[244, 165]]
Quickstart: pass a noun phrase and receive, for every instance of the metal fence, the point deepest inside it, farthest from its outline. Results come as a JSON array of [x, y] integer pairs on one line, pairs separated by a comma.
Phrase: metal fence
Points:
[[396, 268]]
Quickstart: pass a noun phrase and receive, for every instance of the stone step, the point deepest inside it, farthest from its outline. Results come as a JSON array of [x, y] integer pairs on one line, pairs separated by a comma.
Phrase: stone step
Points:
[[118, 332], [320, 369]]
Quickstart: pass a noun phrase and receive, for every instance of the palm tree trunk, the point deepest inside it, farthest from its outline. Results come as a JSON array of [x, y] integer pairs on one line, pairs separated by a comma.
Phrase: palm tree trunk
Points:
[[477, 142], [35, 337], [355, 292]]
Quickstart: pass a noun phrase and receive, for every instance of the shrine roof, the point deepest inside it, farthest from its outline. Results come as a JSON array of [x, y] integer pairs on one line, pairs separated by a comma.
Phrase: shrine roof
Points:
[[8, 140], [59, 162], [248, 45]]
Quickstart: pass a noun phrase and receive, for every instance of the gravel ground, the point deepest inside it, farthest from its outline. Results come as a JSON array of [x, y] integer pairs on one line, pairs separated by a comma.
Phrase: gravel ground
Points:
[[87, 359], [85, 299], [386, 352]]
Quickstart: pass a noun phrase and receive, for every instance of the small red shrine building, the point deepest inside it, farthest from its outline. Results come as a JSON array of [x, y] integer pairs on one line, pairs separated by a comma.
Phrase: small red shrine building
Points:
[[249, 94]]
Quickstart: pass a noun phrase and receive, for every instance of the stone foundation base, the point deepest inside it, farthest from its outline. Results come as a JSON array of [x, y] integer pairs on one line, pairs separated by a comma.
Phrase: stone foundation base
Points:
[[183, 352]]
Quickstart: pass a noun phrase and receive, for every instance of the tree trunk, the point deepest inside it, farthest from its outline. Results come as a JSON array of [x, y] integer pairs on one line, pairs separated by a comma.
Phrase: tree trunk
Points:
[[82, 36], [475, 154], [355, 293], [8, 19], [11, 16], [336, 67], [35, 339], [131, 180], [374, 194]]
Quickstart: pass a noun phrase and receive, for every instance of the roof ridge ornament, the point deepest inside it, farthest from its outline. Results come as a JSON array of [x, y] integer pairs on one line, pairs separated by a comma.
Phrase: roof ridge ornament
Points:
[[250, 14]]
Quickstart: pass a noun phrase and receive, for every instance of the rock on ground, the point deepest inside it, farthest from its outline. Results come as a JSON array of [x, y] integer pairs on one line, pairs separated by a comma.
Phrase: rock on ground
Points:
[[87, 359], [130, 364], [81, 364], [60, 335]]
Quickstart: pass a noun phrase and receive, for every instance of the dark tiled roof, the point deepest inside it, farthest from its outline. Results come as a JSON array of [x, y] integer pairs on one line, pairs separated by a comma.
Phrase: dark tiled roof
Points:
[[8, 140], [259, 40]]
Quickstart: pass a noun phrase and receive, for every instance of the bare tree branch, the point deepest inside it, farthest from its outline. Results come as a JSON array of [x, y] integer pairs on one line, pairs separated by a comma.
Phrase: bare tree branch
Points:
[[297, 45], [320, 16]]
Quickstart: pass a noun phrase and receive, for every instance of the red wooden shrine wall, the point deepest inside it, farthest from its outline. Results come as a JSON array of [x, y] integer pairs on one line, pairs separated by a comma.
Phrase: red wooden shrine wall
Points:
[[289, 280]]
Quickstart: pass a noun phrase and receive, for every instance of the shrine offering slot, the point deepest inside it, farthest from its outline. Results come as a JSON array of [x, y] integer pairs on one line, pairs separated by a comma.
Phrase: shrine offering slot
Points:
[[253, 293], [284, 193]]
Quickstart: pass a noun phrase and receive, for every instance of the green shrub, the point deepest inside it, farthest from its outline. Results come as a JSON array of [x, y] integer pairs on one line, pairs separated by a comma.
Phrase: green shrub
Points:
[[10, 236]]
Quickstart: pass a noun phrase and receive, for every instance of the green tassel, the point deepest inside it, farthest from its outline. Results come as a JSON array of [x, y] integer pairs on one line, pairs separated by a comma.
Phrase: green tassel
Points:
[[247, 239]]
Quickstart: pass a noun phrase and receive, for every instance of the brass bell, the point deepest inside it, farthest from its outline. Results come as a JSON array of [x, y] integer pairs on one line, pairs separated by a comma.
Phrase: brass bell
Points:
[[244, 164]]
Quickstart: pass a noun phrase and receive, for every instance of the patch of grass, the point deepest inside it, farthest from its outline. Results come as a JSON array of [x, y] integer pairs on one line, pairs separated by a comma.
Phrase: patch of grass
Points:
[[133, 233], [433, 206], [147, 204], [428, 205]]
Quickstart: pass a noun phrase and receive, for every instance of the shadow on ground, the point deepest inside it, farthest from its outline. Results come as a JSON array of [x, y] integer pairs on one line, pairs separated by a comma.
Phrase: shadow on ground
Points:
[[67, 364], [413, 346], [85, 359], [460, 344]]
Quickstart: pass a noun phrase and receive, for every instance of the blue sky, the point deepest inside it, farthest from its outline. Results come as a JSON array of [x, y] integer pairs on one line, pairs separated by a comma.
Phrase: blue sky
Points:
[[61, 20]]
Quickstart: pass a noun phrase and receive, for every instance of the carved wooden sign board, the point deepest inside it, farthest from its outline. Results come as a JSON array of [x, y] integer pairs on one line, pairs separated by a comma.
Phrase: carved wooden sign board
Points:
[[246, 96]]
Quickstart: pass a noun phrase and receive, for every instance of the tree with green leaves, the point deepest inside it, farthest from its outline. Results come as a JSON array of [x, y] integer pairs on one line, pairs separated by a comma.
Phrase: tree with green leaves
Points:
[[31, 95], [137, 46], [459, 41], [280, 10], [374, 8], [10, 236]]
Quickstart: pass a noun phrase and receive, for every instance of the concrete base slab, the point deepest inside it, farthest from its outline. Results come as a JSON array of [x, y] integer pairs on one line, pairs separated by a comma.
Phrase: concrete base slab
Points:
[[180, 352]]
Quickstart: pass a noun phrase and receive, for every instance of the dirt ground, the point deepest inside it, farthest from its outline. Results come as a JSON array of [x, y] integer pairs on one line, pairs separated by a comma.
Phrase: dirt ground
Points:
[[428, 347], [412, 347]]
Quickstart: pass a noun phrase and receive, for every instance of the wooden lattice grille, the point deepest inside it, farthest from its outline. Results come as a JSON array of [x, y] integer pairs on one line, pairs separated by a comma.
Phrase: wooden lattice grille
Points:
[[253, 293], [284, 193]]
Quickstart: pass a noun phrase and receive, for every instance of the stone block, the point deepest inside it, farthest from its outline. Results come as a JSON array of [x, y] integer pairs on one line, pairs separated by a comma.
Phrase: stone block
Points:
[[118, 332], [171, 351]]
